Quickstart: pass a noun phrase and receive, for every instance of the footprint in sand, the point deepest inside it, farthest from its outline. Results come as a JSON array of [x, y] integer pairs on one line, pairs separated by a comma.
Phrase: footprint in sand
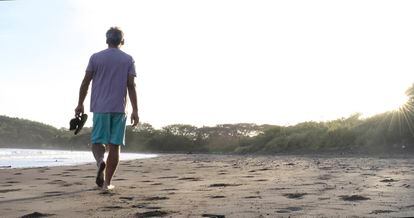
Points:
[[223, 185], [353, 198], [156, 198], [261, 180], [37, 214], [169, 189], [212, 215], [194, 179], [295, 195], [41, 179], [368, 174], [289, 209], [53, 193], [156, 213], [381, 211], [60, 182], [153, 208], [157, 183], [73, 170], [168, 177], [389, 180], [217, 196], [138, 206], [279, 188], [9, 190], [250, 197], [325, 177], [57, 181], [110, 208]]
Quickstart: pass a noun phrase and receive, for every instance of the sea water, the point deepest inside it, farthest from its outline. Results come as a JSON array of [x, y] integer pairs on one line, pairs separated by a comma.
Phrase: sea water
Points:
[[22, 158]]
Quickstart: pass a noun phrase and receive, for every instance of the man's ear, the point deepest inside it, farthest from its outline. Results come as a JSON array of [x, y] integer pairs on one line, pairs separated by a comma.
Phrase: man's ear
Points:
[[122, 41]]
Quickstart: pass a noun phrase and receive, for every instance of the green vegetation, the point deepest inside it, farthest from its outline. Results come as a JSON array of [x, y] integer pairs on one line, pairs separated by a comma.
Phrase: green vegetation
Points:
[[390, 132]]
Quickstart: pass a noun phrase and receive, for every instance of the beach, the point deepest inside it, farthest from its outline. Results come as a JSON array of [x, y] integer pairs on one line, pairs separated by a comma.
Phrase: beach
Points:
[[196, 185]]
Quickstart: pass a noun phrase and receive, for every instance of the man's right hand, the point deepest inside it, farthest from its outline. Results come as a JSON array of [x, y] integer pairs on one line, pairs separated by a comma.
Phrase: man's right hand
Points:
[[79, 110], [134, 118]]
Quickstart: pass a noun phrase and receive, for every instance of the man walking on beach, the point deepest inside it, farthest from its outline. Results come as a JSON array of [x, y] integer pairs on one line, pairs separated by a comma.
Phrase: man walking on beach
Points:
[[112, 73]]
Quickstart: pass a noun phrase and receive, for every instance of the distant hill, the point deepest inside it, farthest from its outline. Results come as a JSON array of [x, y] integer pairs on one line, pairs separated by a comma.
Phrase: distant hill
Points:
[[19, 132], [23, 133]]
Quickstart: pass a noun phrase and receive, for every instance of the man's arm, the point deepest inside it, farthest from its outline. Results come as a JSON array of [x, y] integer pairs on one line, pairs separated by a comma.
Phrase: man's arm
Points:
[[83, 91], [133, 98]]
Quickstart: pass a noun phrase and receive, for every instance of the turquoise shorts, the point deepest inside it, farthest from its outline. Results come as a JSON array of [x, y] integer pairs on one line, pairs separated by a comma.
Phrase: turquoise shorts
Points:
[[109, 128]]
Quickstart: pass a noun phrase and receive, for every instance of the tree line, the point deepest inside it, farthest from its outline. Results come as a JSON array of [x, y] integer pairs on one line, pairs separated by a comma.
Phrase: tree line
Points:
[[391, 131]]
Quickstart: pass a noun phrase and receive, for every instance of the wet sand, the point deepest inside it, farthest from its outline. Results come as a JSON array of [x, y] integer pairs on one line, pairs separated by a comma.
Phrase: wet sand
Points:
[[216, 186]]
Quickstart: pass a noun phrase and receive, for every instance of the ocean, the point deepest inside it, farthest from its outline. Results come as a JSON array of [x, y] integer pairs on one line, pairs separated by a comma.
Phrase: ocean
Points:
[[22, 158]]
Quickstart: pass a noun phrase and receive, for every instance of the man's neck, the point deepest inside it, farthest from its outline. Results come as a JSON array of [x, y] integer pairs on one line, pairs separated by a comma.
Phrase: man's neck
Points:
[[112, 46]]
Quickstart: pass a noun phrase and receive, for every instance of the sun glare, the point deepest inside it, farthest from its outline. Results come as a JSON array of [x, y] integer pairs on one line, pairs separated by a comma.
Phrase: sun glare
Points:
[[397, 103]]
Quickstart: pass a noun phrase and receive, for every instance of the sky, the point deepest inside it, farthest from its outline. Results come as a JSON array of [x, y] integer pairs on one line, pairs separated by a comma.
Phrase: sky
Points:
[[212, 62]]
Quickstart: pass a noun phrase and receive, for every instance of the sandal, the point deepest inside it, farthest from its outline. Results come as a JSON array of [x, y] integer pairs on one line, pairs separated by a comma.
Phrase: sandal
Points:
[[77, 123]]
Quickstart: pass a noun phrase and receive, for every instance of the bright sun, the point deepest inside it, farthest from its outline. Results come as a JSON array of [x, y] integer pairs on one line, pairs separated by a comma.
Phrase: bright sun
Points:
[[386, 103], [397, 102]]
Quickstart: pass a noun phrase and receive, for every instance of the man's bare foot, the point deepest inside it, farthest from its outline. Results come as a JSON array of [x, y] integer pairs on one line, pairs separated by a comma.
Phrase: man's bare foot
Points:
[[108, 187], [100, 177]]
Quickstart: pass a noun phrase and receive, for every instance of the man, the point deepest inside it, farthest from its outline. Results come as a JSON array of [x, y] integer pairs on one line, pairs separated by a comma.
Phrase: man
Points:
[[112, 73]]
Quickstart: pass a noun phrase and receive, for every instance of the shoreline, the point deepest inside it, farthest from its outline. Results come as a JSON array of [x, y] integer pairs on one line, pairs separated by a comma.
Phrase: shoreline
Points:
[[298, 152], [177, 185], [31, 158]]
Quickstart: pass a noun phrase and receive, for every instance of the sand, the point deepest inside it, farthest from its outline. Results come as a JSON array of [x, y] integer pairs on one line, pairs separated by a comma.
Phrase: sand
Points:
[[216, 186]]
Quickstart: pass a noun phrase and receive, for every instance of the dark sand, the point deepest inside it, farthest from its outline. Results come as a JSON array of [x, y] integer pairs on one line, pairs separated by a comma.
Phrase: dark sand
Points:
[[216, 186]]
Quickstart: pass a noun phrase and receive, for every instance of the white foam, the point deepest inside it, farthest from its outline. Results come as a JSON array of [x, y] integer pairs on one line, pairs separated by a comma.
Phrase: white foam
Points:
[[20, 158]]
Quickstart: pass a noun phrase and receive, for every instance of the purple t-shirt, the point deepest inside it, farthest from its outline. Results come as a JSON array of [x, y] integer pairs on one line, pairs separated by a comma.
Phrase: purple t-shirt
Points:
[[110, 69]]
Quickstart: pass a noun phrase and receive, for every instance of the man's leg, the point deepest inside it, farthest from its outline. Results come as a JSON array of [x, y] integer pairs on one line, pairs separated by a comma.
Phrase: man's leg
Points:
[[111, 164], [98, 151]]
